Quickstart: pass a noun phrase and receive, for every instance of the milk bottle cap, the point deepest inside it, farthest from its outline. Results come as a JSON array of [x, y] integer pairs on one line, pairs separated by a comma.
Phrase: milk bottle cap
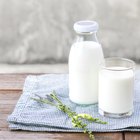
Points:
[[86, 26]]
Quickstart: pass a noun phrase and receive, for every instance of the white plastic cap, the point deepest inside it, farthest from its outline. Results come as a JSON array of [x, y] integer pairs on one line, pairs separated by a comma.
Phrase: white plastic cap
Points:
[[86, 26]]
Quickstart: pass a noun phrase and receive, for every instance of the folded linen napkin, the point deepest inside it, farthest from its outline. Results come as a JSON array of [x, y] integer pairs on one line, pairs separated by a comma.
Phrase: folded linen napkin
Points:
[[31, 115]]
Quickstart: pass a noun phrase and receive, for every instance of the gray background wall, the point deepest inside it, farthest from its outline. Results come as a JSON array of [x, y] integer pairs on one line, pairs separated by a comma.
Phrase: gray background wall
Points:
[[40, 31]]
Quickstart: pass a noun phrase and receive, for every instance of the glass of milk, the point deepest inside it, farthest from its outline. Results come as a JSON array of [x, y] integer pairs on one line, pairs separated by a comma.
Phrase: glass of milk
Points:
[[116, 87]]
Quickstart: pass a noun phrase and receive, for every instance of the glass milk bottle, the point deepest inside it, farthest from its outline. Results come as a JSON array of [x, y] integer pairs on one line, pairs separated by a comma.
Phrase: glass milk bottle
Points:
[[84, 59]]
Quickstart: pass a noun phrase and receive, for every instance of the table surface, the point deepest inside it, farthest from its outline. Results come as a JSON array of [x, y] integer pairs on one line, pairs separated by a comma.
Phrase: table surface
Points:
[[11, 86]]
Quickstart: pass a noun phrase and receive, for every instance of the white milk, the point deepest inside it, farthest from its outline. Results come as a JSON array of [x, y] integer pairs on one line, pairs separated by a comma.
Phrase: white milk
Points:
[[84, 60], [116, 90]]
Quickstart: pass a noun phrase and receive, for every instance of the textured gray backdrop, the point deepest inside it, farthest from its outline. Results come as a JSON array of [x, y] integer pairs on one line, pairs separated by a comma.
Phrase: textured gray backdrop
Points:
[[40, 31]]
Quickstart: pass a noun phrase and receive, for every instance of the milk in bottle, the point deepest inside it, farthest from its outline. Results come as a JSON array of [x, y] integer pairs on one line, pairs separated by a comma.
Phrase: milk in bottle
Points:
[[84, 59]]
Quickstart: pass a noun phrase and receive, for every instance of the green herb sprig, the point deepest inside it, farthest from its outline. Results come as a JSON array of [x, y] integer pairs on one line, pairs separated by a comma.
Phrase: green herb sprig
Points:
[[77, 119]]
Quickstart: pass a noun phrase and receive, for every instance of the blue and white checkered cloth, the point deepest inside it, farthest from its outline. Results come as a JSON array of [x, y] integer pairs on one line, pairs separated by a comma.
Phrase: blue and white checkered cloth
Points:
[[33, 116]]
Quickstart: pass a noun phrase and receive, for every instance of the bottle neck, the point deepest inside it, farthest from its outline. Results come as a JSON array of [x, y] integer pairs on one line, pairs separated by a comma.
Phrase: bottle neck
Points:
[[88, 36]]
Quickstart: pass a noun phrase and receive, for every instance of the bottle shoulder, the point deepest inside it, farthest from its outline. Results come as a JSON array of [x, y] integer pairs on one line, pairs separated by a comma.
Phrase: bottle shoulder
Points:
[[86, 45]]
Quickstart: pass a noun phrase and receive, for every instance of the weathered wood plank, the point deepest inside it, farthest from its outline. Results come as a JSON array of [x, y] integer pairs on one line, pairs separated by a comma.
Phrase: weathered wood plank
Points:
[[25, 135], [10, 102], [3, 117], [12, 81], [109, 136], [8, 94], [132, 135], [3, 123], [6, 108]]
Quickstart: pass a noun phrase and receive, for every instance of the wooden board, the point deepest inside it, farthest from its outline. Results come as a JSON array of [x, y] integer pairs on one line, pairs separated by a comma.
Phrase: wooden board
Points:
[[10, 90], [132, 136]]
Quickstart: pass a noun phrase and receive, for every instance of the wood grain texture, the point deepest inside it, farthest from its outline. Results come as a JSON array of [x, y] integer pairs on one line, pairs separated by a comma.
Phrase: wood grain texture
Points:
[[11, 86], [12, 81], [132, 135], [25, 135]]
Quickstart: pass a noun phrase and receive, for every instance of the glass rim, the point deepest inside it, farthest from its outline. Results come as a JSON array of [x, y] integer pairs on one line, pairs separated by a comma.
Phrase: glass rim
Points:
[[131, 62]]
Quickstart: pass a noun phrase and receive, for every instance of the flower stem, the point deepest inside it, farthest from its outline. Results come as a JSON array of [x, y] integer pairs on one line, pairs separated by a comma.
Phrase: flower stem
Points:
[[77, 119]]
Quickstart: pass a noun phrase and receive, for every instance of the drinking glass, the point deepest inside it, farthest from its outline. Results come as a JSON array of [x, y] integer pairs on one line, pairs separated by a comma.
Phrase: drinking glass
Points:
[[116, 87]]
